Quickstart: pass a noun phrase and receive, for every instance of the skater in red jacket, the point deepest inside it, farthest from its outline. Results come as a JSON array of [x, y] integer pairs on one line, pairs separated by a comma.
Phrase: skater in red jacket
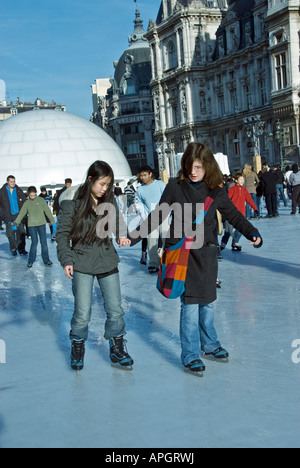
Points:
[[239, 196]]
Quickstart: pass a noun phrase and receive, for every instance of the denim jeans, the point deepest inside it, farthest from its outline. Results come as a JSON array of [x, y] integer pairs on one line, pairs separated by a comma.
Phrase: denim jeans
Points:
[[35, 233], [280, 191], [249, 210], [236, 237], [111, 292], [197, 330]]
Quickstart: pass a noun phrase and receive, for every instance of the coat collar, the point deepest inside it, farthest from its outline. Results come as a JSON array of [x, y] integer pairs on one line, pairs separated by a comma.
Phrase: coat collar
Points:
[[195, 195]]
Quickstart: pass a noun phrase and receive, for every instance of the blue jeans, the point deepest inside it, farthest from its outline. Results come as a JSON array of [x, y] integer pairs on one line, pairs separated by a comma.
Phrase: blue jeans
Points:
[[35, 233], [111, 291], [249, 210], [236, 237], [197, 330], [280, 191]]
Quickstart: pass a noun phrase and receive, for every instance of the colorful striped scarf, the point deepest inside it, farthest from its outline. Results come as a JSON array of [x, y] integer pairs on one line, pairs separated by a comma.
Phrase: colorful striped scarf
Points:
[[174, 262]]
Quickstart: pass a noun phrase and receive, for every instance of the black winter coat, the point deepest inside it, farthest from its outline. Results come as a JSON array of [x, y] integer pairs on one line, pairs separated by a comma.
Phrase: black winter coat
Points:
[[203, 263], [3, 216], [5, 203], [268, 182]]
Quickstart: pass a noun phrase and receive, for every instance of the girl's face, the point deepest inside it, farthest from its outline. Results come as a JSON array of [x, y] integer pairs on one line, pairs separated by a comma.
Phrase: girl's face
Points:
[[32, 195], [198, 172], [100, 187]]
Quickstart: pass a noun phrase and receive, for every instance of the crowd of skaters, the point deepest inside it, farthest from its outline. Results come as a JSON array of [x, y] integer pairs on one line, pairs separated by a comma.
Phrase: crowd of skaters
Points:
[[270, 187]]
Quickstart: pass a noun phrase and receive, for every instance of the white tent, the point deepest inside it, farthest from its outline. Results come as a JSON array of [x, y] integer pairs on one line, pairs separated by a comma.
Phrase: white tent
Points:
[[222, 160], [44, 147]]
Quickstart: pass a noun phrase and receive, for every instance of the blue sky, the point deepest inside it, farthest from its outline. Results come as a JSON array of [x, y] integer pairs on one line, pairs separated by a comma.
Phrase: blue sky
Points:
[[54, 50]]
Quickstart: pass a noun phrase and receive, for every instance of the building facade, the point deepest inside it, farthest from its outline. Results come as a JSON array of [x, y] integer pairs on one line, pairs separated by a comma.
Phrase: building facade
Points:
[[8, 110], [125, 112], [226, 73]]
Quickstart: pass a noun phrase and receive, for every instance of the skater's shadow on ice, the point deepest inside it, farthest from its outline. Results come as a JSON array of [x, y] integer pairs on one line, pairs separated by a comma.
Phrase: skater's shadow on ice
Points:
[[281, 267], [161, 339], [140, 321], [51, 308], [12, 301]]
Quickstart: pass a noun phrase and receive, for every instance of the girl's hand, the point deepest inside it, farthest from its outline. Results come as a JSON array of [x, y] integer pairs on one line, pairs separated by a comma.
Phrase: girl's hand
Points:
[[124, 242], [69, 270], [256, 241]]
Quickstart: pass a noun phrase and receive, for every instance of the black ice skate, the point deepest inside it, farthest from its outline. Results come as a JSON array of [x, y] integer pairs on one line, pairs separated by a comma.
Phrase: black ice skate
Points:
[[236, 248], [195, 367], [77, 355], [119, 355], [144, 258], [219, 355]]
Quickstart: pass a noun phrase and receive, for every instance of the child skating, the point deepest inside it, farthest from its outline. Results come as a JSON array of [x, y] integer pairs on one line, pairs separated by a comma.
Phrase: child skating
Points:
[[39, 215], [239, 196]]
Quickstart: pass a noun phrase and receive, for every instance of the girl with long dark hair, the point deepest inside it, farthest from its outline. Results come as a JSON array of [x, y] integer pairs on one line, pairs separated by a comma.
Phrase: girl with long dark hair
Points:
[[88, 219]]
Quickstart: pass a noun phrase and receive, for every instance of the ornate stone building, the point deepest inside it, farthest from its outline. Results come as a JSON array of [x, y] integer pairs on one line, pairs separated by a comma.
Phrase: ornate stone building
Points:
[[8, 110], [126, 111], [226, 73]]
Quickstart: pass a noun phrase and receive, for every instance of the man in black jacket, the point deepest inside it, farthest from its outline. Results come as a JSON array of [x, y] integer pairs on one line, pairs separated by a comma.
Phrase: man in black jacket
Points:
[[12, 199], [268, 182], [56, 207]]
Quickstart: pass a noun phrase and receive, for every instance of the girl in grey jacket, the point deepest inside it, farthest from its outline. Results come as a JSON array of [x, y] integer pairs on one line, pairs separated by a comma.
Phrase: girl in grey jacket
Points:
[[88, 218]]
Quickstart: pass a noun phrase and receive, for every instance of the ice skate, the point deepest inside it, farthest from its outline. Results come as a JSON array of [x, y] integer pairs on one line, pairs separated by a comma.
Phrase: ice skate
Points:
[[119, 355], [77, 355], [152, 270], [219, 355], [236, 248], [195, 368], [144, 259]]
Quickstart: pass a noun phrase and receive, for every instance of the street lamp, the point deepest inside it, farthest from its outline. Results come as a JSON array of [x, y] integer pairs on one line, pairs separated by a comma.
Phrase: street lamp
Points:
[[279, 135], [161, 156], [255, 128]]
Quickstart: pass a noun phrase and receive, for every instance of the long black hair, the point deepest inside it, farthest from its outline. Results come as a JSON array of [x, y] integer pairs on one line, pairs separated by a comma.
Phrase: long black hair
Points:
[[85, 221]]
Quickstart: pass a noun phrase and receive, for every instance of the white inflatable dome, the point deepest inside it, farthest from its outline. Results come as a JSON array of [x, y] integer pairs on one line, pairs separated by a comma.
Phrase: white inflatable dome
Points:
[[44, 147]]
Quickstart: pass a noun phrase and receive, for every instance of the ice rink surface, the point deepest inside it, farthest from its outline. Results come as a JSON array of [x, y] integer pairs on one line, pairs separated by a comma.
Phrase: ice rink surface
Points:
[[253, 401]]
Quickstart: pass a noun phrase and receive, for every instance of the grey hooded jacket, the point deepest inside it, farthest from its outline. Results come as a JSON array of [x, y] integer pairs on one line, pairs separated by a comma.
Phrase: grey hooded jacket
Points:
[[95, 259]]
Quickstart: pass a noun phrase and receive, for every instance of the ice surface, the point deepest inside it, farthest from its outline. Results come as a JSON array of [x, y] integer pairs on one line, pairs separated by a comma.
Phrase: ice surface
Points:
[[254, 401]]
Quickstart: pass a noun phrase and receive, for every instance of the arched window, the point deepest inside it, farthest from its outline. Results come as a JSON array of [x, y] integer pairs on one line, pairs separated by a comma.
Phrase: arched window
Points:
[[172, 55], [236, 142], [129, 86]]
